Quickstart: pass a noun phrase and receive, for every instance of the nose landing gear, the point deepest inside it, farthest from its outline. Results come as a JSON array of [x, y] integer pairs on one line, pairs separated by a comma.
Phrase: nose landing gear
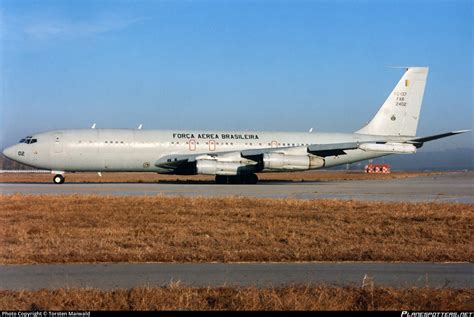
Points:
[[58, 179]]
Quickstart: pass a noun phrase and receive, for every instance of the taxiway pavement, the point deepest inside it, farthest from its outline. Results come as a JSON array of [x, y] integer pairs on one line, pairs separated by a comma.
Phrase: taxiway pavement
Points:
[[449, 187]]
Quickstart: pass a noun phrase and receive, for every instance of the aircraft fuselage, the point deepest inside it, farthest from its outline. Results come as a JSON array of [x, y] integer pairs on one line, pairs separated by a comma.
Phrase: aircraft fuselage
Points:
[[132, 150]]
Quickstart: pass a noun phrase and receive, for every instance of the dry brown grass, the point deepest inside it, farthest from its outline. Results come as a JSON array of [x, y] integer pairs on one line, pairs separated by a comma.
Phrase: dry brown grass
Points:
[[225, 298], [309, 176], [78, 228]]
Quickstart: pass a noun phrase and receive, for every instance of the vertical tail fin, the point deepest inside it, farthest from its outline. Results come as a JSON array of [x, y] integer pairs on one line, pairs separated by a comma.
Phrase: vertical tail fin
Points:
[[400, 112]]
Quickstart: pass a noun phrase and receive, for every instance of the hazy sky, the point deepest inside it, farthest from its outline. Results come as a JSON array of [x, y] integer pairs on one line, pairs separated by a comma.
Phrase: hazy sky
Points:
[[252, 65]]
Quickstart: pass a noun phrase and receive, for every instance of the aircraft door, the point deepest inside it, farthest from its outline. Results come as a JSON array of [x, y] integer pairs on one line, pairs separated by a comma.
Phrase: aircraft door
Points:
[[212, 145], [192, 145], [57, 142]]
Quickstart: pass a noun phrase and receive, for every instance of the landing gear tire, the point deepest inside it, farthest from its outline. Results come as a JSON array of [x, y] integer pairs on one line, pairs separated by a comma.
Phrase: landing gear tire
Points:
[[250, 179], [221, 179], [58, 179], [237, 179]]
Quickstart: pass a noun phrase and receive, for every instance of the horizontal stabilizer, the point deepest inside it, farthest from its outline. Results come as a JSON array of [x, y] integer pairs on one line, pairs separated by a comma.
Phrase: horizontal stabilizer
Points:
[[436, 136]]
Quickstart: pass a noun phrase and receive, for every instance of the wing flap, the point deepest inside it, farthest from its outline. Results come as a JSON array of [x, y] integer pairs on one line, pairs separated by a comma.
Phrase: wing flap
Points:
[[333, 149]]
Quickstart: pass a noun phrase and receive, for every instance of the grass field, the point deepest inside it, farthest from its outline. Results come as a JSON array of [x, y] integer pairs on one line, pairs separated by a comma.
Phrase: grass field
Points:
[[177, 297], [308, 176], [79, 228]]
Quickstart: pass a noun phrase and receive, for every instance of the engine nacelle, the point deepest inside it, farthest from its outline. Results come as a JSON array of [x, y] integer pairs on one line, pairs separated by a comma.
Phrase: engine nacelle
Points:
[[214, 167], [396, 148], [282, 162]]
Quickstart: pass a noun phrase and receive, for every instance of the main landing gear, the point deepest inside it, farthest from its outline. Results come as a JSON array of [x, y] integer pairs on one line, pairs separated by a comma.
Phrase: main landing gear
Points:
[[237, 179], [58, 179]]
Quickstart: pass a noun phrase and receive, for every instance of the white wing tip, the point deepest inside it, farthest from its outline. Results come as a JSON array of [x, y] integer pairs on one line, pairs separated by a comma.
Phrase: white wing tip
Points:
[[461, 131]]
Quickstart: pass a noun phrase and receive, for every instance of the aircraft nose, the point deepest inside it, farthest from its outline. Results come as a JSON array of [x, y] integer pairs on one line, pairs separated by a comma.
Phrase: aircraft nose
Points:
[[9, 152]]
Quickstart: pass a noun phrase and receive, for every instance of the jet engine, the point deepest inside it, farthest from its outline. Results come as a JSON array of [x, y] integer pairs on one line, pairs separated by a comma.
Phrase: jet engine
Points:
[[214, 167], [282, 162]]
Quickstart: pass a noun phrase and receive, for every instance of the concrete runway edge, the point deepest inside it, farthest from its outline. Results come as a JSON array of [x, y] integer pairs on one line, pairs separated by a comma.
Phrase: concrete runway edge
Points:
[[128, 275]]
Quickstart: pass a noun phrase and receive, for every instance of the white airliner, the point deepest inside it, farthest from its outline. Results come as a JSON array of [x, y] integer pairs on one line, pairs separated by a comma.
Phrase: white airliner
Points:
[[233, 157]]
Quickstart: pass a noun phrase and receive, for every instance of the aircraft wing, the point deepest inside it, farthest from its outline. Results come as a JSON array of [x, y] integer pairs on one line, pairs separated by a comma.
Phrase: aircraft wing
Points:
[[315, 149], [252, 156]]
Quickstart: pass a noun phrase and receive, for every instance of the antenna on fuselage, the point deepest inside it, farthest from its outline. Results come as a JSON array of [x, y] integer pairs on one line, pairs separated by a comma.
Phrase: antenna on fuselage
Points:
[[140, 126], [93, 126]]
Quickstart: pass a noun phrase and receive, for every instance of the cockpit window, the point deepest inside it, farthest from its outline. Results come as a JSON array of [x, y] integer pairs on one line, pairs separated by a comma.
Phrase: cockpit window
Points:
[[28, 140]]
